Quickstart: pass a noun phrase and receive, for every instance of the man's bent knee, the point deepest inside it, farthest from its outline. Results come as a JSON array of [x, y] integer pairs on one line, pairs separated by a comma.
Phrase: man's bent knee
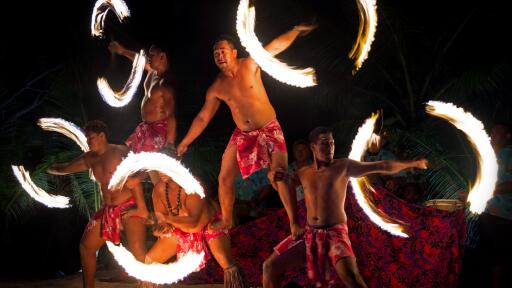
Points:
[[226, 181], [84, 250]]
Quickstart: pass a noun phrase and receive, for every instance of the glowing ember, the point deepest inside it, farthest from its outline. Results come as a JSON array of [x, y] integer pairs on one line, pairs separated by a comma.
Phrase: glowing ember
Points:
[[367, 28], [245, 21], [359, 145], [100, 12], [52, 201], [486, 177], [119, 99], [158, 162], [156, 272]]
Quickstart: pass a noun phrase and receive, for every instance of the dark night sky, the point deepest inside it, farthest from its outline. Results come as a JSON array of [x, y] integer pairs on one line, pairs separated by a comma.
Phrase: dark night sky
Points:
[[53, 34], [50, 33]]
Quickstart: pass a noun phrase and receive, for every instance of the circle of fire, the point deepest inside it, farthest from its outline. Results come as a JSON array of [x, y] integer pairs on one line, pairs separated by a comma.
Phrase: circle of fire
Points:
[[154, 161], [156, 272], [71, 131], [123, 97], [37, 193], [485, 181], [487, 173], [99, 13], [359, 145], [245, 20], [366, 34]]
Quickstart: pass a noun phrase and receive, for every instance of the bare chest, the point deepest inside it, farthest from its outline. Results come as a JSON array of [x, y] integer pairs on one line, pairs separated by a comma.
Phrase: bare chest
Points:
[[104, 166], [321, 183], [240, 88]]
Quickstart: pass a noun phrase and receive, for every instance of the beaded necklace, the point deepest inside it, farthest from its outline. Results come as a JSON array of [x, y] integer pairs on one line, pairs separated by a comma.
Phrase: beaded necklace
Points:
[[176, 210]]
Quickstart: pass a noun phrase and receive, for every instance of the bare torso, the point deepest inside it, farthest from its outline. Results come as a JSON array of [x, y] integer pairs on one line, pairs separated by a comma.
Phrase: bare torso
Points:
[[205, 215], [155, 105], [325, 190], [103, 166], [245, 95]]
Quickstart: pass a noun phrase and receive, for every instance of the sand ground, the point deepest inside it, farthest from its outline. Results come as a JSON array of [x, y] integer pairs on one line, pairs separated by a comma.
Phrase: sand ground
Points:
[[75, 281]]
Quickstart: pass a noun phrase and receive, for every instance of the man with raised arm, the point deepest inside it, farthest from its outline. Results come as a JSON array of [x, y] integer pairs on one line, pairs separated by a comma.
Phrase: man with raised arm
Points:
[[158, 129], [106, 225], [326, 238], [258, 140]]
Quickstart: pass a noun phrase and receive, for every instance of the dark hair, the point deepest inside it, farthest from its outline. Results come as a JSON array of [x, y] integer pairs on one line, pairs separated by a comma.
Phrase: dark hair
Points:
[[169, 77], [160, 46], [96, 126], [227, 38], [313, 135]]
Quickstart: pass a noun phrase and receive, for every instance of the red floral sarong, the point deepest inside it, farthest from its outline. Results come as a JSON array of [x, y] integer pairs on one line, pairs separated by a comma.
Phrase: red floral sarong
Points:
[[430, 257], [110, 219], [323, 244], [197, 241], [148, 137], [253, 148]]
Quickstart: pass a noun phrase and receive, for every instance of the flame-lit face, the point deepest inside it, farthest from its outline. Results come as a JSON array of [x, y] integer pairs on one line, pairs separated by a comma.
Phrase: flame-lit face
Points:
[[301, 152], [156, 58], [323, 148], [223, 54], [96, 141]]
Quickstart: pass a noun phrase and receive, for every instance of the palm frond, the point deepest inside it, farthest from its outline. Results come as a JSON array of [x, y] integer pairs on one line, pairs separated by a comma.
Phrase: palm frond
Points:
[[444, 180]]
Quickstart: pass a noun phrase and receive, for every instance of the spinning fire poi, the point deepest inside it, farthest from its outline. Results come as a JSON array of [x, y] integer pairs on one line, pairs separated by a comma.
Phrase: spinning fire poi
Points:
[[123, 97], [184, 219], [245, 22], [99, 13], [69, 130], [485, 180], [367, 27], [487, 172]]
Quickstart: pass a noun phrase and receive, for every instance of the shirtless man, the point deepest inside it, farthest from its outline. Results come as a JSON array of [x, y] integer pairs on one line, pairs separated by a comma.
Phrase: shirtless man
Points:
[[158, 129], [258, 134], [325, 185], [184, 226], [107, 223]]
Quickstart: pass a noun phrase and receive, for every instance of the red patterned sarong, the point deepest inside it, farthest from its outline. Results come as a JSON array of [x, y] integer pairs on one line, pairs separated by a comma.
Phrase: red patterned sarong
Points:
[[110, 219], [253, 148], [323, 244], [197, 241], [148, 137]]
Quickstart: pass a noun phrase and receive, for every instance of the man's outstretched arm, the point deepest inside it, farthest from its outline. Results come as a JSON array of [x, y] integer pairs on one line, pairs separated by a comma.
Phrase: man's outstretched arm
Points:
[[359, 169], [76, 165], [210, 106], [284, 41], [115, 48]]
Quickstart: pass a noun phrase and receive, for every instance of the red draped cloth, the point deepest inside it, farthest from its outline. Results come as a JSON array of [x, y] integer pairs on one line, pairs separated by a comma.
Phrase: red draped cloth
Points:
[[430, 257]]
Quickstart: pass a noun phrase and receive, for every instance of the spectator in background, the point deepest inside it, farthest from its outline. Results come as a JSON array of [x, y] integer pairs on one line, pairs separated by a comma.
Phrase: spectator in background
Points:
[[302, 158], [495, 224]]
